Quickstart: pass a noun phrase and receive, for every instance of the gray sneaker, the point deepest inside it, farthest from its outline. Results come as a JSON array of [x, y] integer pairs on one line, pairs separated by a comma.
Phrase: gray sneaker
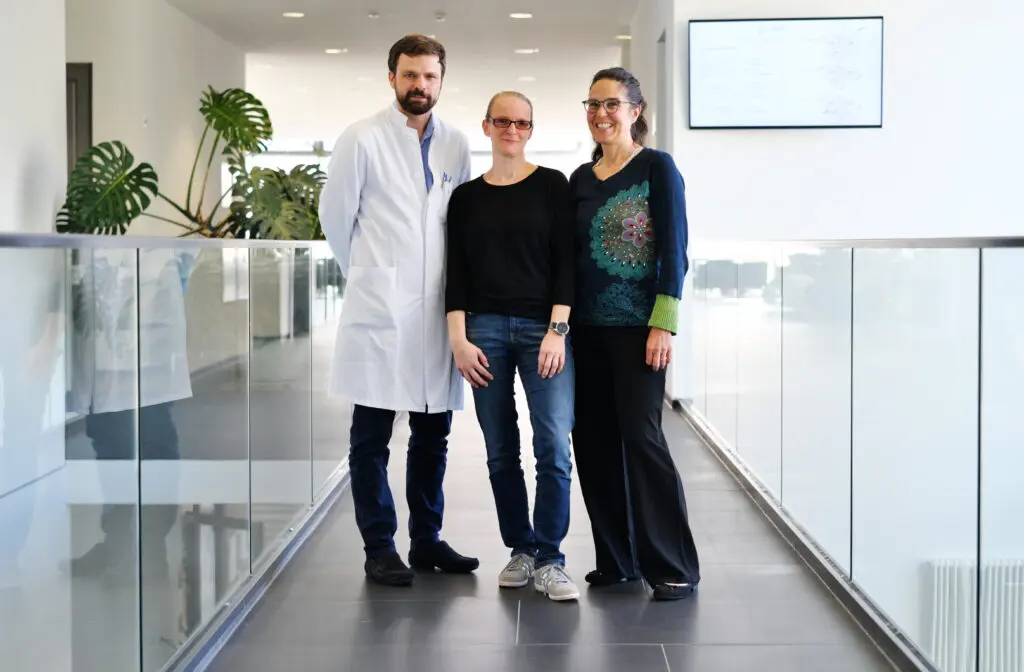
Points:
[[555, 582], [517, 572]]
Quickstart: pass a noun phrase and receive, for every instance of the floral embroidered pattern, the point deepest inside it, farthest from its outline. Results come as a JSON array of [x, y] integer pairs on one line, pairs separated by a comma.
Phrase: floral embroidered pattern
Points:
[[637, 230], [622, 303], [622, 232]]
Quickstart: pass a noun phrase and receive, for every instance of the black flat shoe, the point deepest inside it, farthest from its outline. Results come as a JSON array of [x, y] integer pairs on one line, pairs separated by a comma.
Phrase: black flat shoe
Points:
[[388, 570], [441, 556], [664, 592], [599, 579]]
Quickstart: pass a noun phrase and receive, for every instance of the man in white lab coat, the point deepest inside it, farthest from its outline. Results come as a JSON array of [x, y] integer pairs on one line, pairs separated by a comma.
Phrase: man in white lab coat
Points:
[[383, 210]]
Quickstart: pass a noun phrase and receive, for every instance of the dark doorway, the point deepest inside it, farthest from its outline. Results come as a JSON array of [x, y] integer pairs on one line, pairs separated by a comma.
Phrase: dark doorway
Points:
[[79, 101]]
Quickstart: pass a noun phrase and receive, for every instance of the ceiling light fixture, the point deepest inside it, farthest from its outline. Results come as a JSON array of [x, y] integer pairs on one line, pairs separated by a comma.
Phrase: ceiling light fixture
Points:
[[527, 51], [373, 15], [527, 78], [520, 15], [623, 37], [293, 15], [440, 17], [336, 51]]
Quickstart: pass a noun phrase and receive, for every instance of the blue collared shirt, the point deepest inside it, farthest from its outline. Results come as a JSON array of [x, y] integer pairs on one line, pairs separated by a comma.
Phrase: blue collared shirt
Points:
[[428, 135]]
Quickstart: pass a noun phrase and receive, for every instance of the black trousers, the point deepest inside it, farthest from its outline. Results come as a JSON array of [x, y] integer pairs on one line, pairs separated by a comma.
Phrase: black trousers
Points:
[[424, 477], [629, 480]]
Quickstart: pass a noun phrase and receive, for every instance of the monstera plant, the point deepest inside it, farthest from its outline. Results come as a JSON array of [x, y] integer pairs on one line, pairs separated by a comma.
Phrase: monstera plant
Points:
[[107, 190], [272, 203]]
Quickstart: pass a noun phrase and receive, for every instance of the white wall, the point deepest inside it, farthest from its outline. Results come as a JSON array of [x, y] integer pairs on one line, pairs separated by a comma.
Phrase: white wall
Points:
[[945, 163], [33, 133], [33, 169], [151, 64]]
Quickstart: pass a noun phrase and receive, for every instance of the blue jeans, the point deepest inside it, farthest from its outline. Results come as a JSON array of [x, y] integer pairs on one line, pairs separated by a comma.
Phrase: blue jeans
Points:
[[510, 343]]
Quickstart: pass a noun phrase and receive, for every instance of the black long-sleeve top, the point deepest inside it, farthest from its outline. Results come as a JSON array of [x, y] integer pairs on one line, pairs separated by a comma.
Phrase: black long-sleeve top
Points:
[[511, 248]]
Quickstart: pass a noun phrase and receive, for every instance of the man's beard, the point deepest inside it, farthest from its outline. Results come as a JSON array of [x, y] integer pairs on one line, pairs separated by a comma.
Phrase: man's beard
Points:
[[416, 107]]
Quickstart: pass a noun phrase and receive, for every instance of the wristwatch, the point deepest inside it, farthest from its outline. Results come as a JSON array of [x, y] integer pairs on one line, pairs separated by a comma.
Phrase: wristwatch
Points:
[[560, 328]]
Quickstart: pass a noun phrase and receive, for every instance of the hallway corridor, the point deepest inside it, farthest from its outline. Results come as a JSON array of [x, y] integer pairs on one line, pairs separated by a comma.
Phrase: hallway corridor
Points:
[[759, 609]]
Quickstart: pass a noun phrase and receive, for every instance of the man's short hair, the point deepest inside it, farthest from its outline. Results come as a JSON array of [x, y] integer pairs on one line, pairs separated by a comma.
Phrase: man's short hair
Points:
[[416, 45]]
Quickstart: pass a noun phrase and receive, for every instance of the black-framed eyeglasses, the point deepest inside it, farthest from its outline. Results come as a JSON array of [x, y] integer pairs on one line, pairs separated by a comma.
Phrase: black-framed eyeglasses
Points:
[[610, 105], [502, 122]]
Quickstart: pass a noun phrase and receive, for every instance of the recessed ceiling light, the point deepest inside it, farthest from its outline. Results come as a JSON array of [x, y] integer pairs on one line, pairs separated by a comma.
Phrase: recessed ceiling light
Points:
[[373, 15], [293, 15], [527, 51], [527, 78], [336, 51], [623, 37], [440, 17], [520, 15]]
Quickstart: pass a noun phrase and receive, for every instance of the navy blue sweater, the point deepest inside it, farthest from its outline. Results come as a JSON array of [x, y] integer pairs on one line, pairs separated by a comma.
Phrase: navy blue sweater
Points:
[[631, 236]]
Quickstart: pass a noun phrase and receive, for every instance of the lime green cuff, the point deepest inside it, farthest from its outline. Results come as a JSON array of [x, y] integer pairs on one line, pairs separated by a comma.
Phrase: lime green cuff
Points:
[[665, 314]]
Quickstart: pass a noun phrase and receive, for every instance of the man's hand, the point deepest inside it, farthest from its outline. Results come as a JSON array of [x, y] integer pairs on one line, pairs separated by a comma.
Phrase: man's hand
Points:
[[471, 363], [551, 360], [659, 349]]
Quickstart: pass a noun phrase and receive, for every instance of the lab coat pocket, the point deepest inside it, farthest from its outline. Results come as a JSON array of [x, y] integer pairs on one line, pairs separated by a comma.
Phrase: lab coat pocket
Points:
[[368, 325]]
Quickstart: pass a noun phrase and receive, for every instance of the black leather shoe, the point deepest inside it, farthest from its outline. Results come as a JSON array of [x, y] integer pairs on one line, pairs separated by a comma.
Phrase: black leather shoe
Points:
[[388, 570], [599, 579], [664, 592], [441, 556]]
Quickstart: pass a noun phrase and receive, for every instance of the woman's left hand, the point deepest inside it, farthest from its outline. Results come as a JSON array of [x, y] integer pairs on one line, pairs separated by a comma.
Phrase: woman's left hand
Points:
[[551, 360], [659, 349]]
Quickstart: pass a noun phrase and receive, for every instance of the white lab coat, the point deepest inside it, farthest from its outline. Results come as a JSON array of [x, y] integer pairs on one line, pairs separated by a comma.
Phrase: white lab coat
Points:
[[388, 235]]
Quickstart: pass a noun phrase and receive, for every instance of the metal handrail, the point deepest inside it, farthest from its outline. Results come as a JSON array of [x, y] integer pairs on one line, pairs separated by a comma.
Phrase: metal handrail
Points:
[[77, 241]]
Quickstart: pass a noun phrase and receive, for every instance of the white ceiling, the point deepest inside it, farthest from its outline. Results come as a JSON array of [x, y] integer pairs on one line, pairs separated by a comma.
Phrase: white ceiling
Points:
[[312, 95]]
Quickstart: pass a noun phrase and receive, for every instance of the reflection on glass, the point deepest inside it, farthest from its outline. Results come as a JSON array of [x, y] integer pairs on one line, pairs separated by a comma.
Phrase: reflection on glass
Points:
[[194, 444], [331, 416], [816, 296], [699, 335], [280, 392], [758, 328], [1002, 460], [36, 626], [721, 346], [915, 359]]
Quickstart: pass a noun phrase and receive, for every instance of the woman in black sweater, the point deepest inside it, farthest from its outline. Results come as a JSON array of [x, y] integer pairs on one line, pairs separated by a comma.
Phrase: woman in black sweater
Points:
[[508, 296], [631, 236]]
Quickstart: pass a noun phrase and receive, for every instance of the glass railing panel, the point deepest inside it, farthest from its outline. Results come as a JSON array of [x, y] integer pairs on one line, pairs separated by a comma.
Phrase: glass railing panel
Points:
[[915, 438], [194, 430], [331, 416], [722, 343], [1001, 594], [280, 398], [816, 343], [69, 494], [758, 331], [699, 336]]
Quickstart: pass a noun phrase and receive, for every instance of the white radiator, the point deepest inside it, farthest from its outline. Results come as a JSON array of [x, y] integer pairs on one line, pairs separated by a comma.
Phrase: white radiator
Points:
[[952, 619]]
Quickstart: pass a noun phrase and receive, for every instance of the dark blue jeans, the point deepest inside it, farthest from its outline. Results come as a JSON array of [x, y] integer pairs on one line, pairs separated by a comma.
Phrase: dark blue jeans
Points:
[[424, 475], [510, 343]]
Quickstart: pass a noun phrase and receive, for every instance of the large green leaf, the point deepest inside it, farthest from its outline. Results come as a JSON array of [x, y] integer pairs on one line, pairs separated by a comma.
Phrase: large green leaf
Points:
[[107, 191], [238, 117], [270, 203]]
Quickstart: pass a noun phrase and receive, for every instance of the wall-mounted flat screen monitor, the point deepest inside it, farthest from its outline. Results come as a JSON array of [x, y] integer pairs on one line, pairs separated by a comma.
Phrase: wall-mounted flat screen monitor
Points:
[[786, 73]]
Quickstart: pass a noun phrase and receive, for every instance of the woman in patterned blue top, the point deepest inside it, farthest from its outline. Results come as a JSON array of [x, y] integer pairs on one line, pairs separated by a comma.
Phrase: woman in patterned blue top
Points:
[[630, 262]]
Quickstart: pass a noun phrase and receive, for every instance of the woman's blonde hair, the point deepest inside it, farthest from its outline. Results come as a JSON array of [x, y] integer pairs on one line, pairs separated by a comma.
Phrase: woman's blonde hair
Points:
[[509, 94]]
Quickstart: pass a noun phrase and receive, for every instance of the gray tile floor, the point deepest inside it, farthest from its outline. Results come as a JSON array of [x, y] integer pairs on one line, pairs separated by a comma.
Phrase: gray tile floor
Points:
[[758, 609]]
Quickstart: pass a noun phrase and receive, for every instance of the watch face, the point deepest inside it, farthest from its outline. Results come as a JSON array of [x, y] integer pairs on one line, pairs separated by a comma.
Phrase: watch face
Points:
[[561, 328]]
